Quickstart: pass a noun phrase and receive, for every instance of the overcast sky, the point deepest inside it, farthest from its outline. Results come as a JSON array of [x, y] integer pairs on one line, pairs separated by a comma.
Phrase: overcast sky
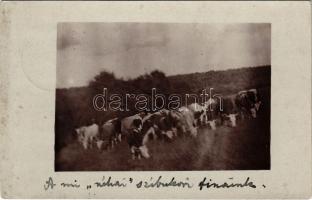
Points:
[[132, 49]]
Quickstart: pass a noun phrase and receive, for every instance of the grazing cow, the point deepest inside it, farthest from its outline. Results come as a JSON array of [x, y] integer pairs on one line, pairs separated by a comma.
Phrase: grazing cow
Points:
[[253, 95], [229, 111], [199, 111], [135, 140], [149, 131], [111, 131], [212, 113], [159, 124], [86, 134], [188, 120], [127, 123], [117, 128], [248, 103], [148, 128], [177, 122]]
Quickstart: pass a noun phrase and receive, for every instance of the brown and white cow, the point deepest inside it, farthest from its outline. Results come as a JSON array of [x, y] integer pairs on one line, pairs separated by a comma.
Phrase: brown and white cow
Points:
[[248, 103], [199, 111], [229, 111], [135, 139], [111, 132], [212, 113], [161, 124], [127, 123]]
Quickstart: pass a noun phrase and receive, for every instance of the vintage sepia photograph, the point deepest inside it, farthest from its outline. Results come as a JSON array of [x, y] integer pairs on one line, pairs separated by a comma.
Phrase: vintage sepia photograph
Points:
[[163, 96], [162, 100]]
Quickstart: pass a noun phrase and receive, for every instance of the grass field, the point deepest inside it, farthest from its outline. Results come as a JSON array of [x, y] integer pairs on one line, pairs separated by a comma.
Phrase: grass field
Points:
[[245, 147]]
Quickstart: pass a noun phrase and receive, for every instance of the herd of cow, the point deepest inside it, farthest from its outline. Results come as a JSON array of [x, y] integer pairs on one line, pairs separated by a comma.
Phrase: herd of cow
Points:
[[166, 124]]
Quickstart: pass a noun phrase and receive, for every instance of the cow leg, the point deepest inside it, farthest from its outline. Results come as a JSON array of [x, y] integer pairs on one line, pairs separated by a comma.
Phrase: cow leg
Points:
[[175, 132], [205, 119], [248, 115], [242, 115], [257, 105], [222, 120], [91, 142], [132, 150], [119, 137], [85, 143], [194, 131], [112, 143], [195, 122], [202, 120], [183, 130], [163, 135], [88, 143]]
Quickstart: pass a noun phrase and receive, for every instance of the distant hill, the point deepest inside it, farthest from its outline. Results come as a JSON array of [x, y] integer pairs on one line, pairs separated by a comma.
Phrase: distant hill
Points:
[[226, 81]]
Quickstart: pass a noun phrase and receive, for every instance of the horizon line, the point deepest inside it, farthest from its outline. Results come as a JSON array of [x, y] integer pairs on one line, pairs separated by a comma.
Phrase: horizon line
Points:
[[181, 74]]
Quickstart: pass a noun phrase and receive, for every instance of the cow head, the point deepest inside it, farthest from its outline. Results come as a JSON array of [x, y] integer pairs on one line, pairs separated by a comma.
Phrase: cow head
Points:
[[212, 124], [99, 144], [80, 134], [82, 139], [143, 114], [203, 118], [148, 134], [253, 112], [257, 105], [174, 131], [144, 151], [231, 118], [119, 137], [137, 123], [169, 134]]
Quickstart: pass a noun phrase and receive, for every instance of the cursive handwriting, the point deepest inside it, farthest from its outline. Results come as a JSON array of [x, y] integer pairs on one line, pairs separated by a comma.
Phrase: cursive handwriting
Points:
[[71, 185], [49, 184], [210, 184], [153, 182], [110, 183], [159, 183]]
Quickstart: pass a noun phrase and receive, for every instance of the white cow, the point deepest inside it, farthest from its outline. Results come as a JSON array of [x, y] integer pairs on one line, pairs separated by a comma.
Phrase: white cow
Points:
[[86, 134], [188, 120]]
